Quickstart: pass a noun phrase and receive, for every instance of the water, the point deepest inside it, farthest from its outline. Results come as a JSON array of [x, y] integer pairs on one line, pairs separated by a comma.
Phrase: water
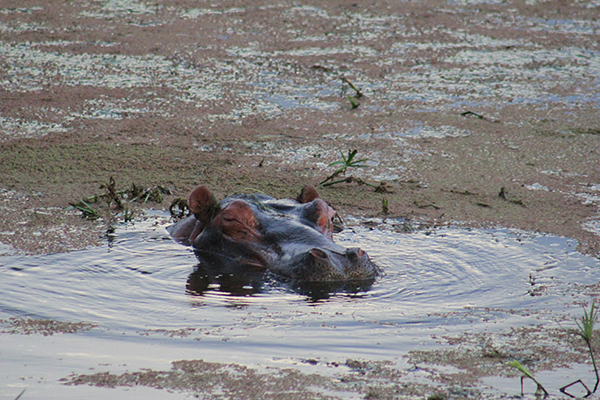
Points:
[[443, 282]]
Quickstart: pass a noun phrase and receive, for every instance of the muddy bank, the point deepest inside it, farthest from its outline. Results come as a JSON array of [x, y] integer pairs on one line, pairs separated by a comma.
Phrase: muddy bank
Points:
[[453, 372]]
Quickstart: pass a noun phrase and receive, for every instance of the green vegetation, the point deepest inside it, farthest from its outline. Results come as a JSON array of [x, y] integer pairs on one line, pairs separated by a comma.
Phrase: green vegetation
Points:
[[527, 374], [353, 99], [585, 328], [119, 200], [86, 210], [353, 102], [385, 210], [345, 162]]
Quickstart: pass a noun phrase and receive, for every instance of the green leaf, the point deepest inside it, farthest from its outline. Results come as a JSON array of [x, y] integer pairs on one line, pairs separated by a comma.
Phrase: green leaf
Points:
[[520, 367]]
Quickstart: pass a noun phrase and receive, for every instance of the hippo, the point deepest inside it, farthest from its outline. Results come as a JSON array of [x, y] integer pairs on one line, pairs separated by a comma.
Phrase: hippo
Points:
[[252, 234]]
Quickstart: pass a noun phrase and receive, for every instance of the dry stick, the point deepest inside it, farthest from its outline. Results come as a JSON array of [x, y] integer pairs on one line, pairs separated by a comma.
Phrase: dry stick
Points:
[[564, 388], [349, 179], [467, 113], [595, 368], [330, 177], [358, 92]]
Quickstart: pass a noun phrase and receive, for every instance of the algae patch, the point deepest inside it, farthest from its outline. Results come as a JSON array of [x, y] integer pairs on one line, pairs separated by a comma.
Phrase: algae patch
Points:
[[46, 327], [209, 380]]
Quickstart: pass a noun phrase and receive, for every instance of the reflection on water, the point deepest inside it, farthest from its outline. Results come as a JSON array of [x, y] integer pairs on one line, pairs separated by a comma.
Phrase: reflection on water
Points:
[[239, 281], [141, 271], [143, 285]]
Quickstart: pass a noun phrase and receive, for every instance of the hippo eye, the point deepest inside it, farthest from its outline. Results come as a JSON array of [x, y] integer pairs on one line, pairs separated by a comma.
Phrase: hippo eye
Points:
[[238, 222]]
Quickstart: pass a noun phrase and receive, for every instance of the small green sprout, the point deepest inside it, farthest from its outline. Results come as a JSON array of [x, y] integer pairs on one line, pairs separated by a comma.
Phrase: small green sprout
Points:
[[349, 162], [586, 327], [358, 94], [128, 215], [353, 99], [353, 103], [521, 367], [86, 210], [540, 389], [345, 162], [385, 210]]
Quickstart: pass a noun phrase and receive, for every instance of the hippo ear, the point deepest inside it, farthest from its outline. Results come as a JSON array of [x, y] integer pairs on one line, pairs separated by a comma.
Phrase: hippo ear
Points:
[[308, 194], [203, 204], [319, 213]]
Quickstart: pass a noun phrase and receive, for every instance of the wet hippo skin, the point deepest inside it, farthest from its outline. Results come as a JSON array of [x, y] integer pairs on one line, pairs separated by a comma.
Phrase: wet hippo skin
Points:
[[292, 239]]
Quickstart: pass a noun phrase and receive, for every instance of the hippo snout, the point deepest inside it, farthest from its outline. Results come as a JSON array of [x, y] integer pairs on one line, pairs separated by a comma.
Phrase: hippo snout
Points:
[[355, 254], [325, 265]]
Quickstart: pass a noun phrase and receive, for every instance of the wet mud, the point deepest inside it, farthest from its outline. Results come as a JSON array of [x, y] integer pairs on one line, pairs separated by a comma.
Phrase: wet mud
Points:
[[473, 113], [460, 99]]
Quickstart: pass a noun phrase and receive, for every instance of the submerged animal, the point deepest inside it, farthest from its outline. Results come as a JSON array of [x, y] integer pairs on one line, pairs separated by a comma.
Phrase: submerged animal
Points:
[[292, 239]]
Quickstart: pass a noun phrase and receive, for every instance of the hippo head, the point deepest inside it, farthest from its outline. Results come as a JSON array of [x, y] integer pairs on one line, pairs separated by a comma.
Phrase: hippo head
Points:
[[292, 239]]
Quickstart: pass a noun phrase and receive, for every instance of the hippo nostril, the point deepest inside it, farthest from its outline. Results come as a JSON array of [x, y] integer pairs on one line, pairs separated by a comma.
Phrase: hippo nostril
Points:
[[318, 253], [354, 254]]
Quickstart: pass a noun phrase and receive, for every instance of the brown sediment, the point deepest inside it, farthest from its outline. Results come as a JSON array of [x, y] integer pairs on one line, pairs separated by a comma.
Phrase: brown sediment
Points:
[[46, 327], [232, 381]]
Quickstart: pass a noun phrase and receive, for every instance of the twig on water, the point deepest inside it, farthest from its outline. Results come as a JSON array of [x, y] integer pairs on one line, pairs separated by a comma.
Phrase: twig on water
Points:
[[358, 94]]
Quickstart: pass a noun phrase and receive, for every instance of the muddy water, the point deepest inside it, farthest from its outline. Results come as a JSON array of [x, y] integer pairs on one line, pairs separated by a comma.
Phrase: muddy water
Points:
[[133, 291]]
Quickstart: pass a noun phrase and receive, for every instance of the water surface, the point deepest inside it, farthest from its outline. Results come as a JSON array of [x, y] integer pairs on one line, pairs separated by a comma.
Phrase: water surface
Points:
[[445, 281]]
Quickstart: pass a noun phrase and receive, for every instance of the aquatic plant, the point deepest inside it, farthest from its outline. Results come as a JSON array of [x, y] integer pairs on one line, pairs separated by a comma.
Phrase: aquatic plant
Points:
[[127, 215], [118, 199], [526, 374], [86, 210], [358, 92], [353, 102], [353, 99], [585, 327], [385, 210], [345, 162]]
